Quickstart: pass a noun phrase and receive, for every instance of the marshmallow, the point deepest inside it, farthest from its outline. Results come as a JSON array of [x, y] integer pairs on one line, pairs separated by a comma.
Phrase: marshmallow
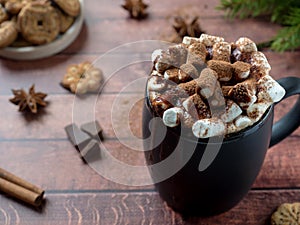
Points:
[[209, 40], [172, 74], [217, 100], [246, 45], [232, 111], [155, 73], [162, 65], [172, 116], [269, 90], [207, 82], [226, 90], [258, 59], [189, 87], [156, 54], [221, 51], [196, 107], [177, 54], [252, 100], [199, 50], [242, 122], [222, 68], [190, 40], [196, 61], [244, 93], [236, 53], [188, 120], [256, 111], [241, 70], [231, 128], [174, 56], [206, 128], [160, 104], [156, 83], [152, 95], [188, 71], [188, 103], [258, 72], [237, 71]]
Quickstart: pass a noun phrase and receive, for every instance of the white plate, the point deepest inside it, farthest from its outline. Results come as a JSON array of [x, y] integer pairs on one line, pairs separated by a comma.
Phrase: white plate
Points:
[[42, 51]]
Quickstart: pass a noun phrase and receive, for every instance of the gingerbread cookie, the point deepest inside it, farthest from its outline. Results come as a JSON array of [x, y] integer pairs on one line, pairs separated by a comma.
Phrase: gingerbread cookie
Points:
[[39, 22], [287, 213], [3, 14], [70, 7], [8, 33]]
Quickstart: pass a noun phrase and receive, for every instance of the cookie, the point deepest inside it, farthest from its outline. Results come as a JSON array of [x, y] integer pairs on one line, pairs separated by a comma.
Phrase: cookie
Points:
[[82, 78], [72, 76], [39, 22], [66, 21], [8, 33], [3, 14], [15, 6], [70, 7], [287, 214], [20, 42]]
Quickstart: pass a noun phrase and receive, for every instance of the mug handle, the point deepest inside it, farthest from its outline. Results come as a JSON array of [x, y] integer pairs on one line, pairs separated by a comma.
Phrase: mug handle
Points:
[[291, 121]]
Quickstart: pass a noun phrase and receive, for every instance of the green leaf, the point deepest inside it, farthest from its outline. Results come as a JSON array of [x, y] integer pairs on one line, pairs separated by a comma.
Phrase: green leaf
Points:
[[287, 39], [285, 12]]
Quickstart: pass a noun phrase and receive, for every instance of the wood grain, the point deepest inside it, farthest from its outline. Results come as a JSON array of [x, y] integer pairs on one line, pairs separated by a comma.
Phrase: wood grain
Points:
[[89, 208], [113, 10], [47, 74], [37, 148], [46, 159], [114, 111]]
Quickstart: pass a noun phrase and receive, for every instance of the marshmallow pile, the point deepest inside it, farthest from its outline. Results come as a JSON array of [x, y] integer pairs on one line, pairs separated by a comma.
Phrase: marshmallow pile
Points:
[[212, 86]]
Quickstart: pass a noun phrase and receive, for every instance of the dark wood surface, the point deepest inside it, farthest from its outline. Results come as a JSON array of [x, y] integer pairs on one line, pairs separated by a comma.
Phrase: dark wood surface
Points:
[[37, 148]]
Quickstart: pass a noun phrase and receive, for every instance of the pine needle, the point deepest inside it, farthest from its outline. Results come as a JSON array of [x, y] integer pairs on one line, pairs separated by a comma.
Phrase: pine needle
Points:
[[285, 12]]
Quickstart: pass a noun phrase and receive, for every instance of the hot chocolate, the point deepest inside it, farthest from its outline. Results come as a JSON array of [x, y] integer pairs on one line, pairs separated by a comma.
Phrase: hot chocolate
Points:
[[211, 86]]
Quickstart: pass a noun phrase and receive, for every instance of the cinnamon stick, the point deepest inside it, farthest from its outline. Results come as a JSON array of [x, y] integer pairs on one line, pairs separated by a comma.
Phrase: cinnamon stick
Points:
[[20, 189]]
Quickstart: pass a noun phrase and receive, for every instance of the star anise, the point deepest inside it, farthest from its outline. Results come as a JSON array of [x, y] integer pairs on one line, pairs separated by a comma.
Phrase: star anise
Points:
[[136, 8], [187, 26], [30, 100]]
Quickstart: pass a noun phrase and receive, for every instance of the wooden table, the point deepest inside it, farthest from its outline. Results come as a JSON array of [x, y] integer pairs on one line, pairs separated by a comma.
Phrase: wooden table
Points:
[[37, 148]]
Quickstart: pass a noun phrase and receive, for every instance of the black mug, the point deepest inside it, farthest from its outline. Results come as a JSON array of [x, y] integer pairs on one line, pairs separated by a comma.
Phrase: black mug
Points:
[[173, 159]]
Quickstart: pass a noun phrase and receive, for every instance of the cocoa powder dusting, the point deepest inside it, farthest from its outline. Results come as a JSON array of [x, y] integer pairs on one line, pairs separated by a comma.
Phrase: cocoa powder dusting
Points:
[[197, 107], [239, 93], [223, 69], [189, 87], [190, 70], [204, 74]]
